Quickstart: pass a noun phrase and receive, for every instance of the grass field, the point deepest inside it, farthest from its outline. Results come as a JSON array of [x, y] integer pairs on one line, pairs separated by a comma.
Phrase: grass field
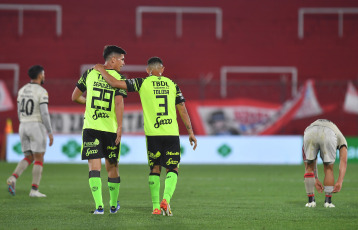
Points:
[[207, 197]]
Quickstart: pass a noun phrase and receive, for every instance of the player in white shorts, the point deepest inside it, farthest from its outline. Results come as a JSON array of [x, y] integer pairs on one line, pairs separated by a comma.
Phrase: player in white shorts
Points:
[[32, 109], [323, 136]]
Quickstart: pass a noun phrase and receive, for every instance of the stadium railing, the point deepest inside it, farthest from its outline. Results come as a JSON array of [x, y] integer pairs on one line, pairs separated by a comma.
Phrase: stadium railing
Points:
[[257, 69], [324, 10], [16, 68], [179, 11], [35, 7]]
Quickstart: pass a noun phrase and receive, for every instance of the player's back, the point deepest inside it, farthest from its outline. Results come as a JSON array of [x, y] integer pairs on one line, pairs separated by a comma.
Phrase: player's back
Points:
[[100, 105], [329, 124], [159, 97], [29, 98]]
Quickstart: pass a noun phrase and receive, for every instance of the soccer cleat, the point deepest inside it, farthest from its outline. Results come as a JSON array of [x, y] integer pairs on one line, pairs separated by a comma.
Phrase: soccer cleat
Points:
[[11, 182], [99, 210], [165, 207], [156, 212], [36, 193], [115, 209], [329, 205], [311, 204]]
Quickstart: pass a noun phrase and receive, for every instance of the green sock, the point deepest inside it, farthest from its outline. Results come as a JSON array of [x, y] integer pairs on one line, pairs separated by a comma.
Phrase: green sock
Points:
[[154, 186], [170, 184], [96, 188], [113, 185]]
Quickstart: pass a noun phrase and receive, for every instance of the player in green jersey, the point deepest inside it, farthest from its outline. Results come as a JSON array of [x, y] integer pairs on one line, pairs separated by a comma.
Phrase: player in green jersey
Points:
[[160, 97], [102, 128]]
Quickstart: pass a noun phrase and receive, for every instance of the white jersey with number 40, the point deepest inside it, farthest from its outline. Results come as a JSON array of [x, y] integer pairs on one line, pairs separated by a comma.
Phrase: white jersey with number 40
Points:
[[29, 98]]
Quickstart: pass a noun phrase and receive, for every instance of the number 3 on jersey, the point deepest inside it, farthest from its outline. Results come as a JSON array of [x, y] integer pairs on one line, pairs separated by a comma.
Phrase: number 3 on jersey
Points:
[[165, 105]]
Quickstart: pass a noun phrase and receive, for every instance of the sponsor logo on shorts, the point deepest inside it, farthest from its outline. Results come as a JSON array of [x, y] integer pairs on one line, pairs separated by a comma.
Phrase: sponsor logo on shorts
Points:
[[160, 122], [154, 156], [172, 162], [97, 115], [112, 155], [91, 151], [111, 147], [172, 154], [91, 144]]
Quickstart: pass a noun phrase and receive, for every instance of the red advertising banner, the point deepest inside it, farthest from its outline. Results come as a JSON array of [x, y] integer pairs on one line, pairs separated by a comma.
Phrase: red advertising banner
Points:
[[251, 117]]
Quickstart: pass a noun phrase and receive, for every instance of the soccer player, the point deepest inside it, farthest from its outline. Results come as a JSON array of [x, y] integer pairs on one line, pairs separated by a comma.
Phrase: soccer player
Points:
[[102, 128], [324, 136], [160, 97], [32, 110]]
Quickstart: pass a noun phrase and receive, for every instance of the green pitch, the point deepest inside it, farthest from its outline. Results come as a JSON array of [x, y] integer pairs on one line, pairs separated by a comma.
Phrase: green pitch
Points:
[[207, 197]]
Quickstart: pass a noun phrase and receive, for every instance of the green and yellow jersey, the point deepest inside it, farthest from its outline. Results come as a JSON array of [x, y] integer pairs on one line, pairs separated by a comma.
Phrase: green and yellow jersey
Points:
[[158, 95], [100, 106]]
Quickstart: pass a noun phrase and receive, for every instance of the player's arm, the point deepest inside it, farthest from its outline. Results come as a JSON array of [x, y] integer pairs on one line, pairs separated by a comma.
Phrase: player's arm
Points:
[[119, 108], [186, 120], [45, 115], [78, 97], [109, 78], [342, 168]]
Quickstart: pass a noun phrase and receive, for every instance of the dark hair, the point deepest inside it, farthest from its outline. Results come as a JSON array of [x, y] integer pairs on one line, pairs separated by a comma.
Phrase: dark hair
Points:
[[108, 50], [154, 60], [34, 71]]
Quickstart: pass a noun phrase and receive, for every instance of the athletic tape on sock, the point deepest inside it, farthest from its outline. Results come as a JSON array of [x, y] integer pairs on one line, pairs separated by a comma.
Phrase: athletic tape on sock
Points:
[[94, 173], [114, 180]]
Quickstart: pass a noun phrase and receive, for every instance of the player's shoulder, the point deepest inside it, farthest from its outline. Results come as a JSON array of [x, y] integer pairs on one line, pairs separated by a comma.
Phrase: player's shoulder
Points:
[[116, 74]]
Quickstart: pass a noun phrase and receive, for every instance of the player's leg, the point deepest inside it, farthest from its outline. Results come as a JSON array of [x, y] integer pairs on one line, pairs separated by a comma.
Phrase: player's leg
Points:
[[94, 166], [309, 180], [38, 140], [154, 186], [114, 181], [328, 185], [309, 152], [153, 154], [20, 168], [92, 151], [328, 155], [170, 161], [24, 163], [37, 175]]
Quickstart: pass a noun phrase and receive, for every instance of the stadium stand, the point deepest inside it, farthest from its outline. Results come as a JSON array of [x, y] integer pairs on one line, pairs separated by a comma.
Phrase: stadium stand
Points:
[[254, 33]]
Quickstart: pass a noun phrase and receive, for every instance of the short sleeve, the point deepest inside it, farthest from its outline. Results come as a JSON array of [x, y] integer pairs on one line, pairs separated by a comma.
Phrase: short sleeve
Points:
[[44, 97], [179, 96], [81, 84], [134, 84]]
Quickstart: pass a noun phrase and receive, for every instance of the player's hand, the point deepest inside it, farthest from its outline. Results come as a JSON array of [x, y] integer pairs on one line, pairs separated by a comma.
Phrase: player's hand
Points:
[[51, 139], [337, 187], [119, 136], [192, 141], [98, 67], [319, 186]]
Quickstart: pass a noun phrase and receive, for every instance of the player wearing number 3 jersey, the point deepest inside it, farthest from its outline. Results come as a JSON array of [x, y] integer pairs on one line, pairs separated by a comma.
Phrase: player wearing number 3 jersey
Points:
[[102, 128], [160, 98], [34, 119]]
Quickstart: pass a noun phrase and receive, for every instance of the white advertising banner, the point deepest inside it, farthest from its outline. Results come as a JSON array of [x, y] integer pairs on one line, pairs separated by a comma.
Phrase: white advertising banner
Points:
[[210, 150]]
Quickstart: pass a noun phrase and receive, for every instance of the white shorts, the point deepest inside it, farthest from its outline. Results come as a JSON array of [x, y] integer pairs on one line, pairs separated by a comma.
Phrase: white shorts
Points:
[[323, 139], [33, 137]]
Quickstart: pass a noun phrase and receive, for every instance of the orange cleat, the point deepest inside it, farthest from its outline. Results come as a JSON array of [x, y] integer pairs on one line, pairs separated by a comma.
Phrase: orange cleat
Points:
[[165, 207], [156, 212]]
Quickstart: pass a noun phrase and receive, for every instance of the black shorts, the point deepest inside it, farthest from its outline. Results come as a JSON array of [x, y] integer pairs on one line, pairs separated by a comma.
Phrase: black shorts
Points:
[[163, 151], [98, 144]]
